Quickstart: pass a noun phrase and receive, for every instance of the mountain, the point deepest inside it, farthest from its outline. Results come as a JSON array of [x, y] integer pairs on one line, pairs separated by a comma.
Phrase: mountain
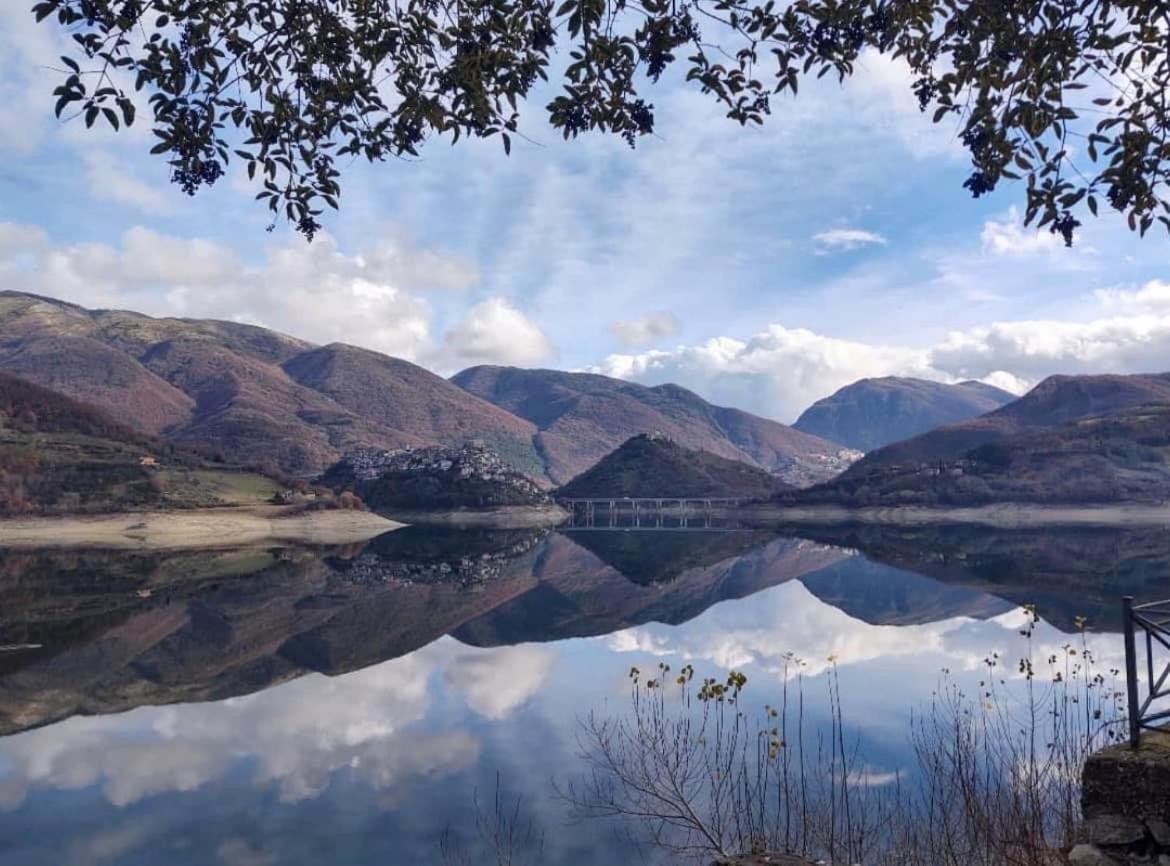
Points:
[[650, 466], [1055, 402], [58, 454], [1071, 440], [581, 417], [256, 395], [875, 412]]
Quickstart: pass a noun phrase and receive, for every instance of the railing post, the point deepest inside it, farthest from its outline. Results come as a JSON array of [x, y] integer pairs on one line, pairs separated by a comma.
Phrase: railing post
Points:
[[1131, 683]]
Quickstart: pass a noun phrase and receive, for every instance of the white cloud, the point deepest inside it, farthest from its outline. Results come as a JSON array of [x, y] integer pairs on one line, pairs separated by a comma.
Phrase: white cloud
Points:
[[25, 82], [1006, 381], [1010, 237], [495, 682], [646, 330], [776, 373], [881, 94], [1031, 350], [847, 239], [312, 291], [1153, 296], [781, 371], [114, 180], [495, 332]]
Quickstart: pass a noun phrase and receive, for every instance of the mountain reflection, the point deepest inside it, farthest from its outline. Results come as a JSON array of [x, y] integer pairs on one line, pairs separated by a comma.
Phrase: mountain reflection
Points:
[[375, 688], [93, 632], [1065, 572]]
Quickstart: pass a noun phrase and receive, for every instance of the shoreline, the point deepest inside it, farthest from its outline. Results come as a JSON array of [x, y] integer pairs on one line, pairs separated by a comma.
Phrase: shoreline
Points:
[[999, 516], [206, 528]]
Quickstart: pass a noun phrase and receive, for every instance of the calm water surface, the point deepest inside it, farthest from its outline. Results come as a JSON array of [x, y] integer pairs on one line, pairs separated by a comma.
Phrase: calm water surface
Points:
[[362, 705]]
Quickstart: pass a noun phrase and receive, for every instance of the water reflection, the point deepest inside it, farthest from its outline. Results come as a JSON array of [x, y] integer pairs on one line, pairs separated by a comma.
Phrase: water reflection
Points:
[[293, 705]]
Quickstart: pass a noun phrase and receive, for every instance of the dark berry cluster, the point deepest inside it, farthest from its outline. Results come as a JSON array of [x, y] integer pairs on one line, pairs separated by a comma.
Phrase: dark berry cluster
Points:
[[572, 117], [198, 173], [924, 90], [308, 226], [1066, 225], [1118, 197], [975, 138], [186, 38], [979, 183], [642, 116], [542, 38]]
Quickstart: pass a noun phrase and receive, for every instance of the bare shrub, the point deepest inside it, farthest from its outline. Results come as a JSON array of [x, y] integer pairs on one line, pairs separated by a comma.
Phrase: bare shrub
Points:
[[995, 782]]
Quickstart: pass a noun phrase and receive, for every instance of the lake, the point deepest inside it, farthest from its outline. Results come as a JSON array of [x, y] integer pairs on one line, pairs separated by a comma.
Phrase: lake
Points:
[[435, 696]]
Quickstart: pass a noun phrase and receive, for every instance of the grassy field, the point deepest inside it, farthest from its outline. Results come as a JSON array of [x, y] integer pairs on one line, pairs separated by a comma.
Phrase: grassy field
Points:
[[202, 487]]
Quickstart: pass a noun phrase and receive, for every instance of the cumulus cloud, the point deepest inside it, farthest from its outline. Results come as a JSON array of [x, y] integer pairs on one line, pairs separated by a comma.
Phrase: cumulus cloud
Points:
[[780, 371], [1153, 296], [635, 333], [313, 291], [847, 239], [495, 332], [1031, 350]]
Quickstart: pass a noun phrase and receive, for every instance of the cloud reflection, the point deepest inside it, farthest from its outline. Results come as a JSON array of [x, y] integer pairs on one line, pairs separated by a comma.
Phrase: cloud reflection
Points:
[[297, 736], [788, 620]]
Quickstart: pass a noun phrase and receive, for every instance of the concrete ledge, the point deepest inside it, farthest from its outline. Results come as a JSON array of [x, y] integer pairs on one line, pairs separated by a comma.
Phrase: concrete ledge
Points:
[[765, 860], [1125, 802]]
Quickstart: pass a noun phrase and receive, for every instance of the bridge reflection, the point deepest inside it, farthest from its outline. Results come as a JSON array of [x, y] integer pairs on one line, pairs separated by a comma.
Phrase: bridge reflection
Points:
[[658, 513]]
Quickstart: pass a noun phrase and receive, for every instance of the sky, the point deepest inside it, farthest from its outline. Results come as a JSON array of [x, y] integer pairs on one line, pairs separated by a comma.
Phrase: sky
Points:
[[763, 268]]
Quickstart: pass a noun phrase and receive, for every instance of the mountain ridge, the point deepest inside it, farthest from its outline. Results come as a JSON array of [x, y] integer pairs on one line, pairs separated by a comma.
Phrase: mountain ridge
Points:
[[1072, 440], [871, 413], [258, 395], [274, 401], [582, 417]]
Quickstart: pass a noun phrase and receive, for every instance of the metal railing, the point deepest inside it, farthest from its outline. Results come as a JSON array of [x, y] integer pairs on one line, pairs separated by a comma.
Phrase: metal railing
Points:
[[1153, 618]]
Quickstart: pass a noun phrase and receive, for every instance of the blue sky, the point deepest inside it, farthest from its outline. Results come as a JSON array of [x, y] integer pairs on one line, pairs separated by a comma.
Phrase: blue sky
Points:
[[763, 268]]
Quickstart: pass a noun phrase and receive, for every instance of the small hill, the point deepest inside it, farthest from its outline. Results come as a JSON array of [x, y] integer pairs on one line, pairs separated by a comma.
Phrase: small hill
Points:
[[875, 412], [581, 417], [256, 395], [60, 455], [434, 478], [653, 466]]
